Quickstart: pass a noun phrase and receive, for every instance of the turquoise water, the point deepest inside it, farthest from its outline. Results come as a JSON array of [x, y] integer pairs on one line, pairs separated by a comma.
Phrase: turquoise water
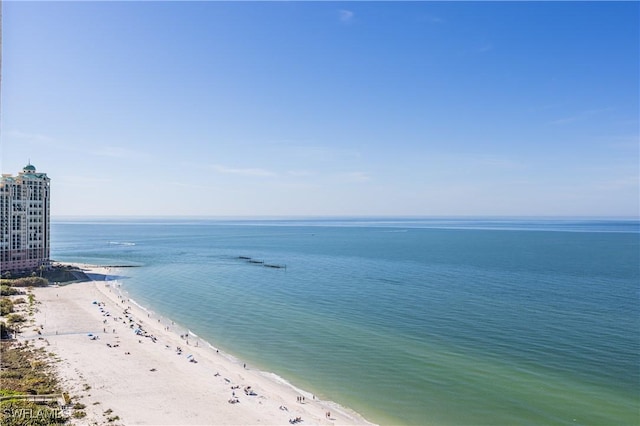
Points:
[[455, 322]]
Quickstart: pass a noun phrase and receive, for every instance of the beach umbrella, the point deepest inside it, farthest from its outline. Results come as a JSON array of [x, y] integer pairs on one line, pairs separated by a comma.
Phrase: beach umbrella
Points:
[[90, 335]]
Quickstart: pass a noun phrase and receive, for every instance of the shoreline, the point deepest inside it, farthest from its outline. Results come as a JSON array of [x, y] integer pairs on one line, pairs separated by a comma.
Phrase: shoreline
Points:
[[135, 346]]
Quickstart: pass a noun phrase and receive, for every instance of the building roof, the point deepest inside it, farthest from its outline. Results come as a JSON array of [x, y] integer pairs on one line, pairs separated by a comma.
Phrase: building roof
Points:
[[28, 173]]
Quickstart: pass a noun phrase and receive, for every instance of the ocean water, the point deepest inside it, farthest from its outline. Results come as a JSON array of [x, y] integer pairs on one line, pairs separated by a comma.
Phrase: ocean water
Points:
[[422, 321]]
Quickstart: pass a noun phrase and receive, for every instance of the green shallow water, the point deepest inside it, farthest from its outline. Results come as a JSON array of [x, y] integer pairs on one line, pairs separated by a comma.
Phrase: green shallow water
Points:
[[406, 322]]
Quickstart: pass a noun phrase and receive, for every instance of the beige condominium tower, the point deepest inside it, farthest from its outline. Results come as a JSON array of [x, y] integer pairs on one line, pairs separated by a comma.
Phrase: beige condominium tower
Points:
[[24, 221]]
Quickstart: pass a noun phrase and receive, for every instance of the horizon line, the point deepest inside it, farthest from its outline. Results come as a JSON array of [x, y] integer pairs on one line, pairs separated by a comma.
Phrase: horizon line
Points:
[[347, 217]]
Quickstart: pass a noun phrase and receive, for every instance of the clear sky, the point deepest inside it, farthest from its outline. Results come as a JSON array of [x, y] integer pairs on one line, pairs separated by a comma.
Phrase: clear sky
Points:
[[325, 108]]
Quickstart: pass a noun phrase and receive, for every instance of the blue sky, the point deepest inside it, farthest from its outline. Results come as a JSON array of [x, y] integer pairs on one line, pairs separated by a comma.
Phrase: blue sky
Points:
[[325, 108]]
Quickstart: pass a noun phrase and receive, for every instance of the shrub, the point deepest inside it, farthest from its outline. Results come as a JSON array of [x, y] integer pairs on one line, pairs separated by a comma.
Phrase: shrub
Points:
[[26, 282], [6, 290], [6, 306], [15, 318]]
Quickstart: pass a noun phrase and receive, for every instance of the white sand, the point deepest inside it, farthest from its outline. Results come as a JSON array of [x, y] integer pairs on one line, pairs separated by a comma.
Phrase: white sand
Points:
[[178, 391]]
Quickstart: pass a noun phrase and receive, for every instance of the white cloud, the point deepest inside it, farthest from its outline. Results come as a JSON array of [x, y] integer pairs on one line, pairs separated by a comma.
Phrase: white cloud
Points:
[[582, 115], [619, 184], [485, 48], [85, 181], [321, 153], [301, 173], [189, 185], [625, 142], [345, 15], [432, 19], [497, 162], [115, 152], [358, 177], [33, 137], [243, 171]]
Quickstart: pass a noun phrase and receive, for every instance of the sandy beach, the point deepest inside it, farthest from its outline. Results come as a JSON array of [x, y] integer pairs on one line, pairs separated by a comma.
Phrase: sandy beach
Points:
[[116, 356]]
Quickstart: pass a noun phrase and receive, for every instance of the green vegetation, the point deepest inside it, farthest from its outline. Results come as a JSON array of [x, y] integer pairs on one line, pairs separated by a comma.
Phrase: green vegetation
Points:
[[6, 306], [13, 319], [25, 282], [6, 290], [64, 273], [12, 322], [6, 392], [79, 414], [24, 371], [26, 413], [42, 276]]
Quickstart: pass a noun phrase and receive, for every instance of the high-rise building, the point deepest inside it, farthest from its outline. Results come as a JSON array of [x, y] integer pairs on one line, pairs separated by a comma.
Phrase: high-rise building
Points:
[[24, 221]]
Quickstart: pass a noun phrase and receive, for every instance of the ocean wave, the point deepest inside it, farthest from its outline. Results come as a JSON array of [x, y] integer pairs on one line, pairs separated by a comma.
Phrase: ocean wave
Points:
[[140, 306]]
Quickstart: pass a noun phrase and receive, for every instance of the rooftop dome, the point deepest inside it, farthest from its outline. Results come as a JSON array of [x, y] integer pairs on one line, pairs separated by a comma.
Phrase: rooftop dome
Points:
[[29, 168]]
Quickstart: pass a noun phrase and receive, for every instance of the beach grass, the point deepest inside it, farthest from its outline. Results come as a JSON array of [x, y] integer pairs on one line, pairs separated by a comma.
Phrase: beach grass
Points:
[[26, 371]]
